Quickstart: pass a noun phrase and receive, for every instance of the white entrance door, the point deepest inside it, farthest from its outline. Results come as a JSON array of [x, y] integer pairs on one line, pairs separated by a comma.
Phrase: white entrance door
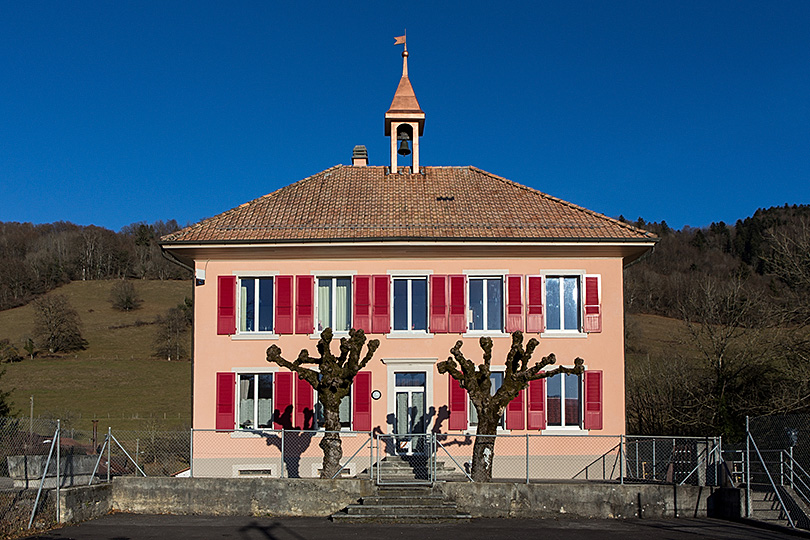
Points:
[[409, 389]]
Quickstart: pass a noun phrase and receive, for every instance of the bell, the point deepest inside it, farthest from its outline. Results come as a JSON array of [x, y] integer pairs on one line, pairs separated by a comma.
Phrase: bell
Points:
[[403, 148]]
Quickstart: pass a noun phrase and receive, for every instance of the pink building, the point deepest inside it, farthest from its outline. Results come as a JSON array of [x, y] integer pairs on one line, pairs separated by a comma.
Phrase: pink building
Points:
[[419, 257]]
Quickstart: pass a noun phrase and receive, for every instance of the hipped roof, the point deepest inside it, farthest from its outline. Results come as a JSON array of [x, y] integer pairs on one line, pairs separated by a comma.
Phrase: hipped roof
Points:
[[353, 203]]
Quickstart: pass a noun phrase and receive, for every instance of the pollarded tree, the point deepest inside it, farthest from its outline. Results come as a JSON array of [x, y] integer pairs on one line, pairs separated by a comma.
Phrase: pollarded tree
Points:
[[332, 381], [491, 406]]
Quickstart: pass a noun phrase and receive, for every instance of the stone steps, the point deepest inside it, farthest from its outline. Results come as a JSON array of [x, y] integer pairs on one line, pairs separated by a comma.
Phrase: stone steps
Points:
[[413, 469], [402, 505]]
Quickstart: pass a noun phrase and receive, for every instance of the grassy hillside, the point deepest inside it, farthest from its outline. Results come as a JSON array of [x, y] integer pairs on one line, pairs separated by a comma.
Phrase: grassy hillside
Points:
[[115, 379]]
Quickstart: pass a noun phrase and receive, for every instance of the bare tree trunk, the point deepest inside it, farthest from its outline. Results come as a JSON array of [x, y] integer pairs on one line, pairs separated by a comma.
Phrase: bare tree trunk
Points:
[[484, 450], [330, 444]]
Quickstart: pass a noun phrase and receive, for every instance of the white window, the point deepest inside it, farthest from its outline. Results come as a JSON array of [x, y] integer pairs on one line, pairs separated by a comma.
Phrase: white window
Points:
[[256, 304], [410, 304], [486, 304], [255, 400], [335, 304], [564, 400], [563, 303], [495, 382]]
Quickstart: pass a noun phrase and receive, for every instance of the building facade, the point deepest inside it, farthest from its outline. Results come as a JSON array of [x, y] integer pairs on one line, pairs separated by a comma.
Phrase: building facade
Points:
[[418, 257]]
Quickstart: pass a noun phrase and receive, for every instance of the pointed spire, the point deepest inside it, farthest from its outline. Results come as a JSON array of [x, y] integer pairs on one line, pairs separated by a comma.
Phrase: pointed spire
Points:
[[405, 104]]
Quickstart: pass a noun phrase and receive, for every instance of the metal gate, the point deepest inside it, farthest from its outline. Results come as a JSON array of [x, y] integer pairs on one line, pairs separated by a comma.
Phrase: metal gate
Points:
[[405, 459]]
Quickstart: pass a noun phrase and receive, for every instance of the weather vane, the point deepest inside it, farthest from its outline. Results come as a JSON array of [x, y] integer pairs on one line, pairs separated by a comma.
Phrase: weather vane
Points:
[[400, 40]]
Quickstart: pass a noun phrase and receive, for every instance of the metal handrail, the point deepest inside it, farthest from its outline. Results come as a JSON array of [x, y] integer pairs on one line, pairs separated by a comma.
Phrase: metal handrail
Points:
[[773, 484], [351, 458], [602, 457], [462, 469], [700, 461], [801, 476]]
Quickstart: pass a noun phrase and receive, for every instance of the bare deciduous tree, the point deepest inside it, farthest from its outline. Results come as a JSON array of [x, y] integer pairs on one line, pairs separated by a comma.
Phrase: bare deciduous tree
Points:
[[124, 296], [491, 406], [171, 336], [332, 381], [57, 326]]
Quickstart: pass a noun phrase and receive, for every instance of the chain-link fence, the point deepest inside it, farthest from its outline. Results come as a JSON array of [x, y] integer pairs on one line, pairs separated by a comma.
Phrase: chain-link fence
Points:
[[777, 456], [24, 448]]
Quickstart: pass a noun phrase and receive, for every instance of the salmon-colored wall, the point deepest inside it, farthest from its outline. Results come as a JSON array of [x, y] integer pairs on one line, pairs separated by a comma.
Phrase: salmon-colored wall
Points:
[[604, 351]]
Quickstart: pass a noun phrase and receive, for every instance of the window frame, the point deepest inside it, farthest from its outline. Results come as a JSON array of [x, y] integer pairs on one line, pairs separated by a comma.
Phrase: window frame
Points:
[[581, 404], [255, 277], [255, 413], [485, 277], [579, 275], [334, 276], [410, 278]]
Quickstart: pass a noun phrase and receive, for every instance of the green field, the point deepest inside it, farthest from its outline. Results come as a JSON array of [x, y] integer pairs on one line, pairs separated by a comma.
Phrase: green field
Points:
[[115, 379]]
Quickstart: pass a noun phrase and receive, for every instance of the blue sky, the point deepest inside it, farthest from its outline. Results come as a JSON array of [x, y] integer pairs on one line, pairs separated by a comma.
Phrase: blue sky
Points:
[[118, 112]]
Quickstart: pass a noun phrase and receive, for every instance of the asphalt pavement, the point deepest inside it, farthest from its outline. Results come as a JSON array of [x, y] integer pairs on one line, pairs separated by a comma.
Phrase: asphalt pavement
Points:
[[149, 527]]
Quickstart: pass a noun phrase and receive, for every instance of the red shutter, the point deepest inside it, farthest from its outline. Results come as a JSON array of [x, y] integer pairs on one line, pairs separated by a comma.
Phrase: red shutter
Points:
[[515, 415], [283, 400], [593, 400], [226, 402], [593, 307], [438, 304], [361, 314], [380, 316], [458, 405], [457, 323], [535, 322], [284, 304], [514, 303], [304, 305], [304, 405], [226, 305], [361, 401], [537, 404]]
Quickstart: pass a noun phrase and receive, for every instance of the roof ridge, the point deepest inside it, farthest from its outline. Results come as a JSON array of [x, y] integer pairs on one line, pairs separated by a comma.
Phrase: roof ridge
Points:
[[564, 202]]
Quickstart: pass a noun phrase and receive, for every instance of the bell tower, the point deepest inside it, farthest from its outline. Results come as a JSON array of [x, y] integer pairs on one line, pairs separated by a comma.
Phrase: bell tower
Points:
[[405, 120]]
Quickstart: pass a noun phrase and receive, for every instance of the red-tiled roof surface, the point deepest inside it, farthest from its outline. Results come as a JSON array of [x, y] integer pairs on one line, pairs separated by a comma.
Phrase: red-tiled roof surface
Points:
[[445, 203]]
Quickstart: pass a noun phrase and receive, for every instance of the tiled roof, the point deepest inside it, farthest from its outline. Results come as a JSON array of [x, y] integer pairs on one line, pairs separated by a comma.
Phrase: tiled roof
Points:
[[351, 203]]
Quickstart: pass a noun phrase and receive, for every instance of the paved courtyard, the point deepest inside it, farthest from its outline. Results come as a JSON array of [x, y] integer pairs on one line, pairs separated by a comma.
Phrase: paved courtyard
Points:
[[147, 527]]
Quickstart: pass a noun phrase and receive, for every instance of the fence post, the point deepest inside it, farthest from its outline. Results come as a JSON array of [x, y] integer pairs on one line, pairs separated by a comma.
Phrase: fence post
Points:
[[621, 459], [371, 455], [653, 457], [109, 448], [191, 453], [792, 465], [527, 459], [58, 472], [748, 505], [282, 454]]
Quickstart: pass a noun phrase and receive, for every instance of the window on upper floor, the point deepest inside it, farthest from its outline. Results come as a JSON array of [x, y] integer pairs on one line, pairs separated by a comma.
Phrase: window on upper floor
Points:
[[255, 304], [486, 304], [563, 303], [410, 304], [255, 400], [334, 304], [495, 382], [564, 400]]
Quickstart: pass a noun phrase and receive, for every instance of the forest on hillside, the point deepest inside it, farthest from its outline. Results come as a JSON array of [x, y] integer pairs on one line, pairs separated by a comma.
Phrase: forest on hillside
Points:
[[741, 294], [35, 259]]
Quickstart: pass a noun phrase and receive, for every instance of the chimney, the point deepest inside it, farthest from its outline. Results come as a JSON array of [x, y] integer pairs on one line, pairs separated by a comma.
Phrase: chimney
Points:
[[360, 156]]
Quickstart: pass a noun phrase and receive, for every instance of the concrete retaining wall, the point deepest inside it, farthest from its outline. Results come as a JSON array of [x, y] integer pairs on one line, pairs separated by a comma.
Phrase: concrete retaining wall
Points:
[[83, 503], [319, 498], [589, 500], [237, 496]]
